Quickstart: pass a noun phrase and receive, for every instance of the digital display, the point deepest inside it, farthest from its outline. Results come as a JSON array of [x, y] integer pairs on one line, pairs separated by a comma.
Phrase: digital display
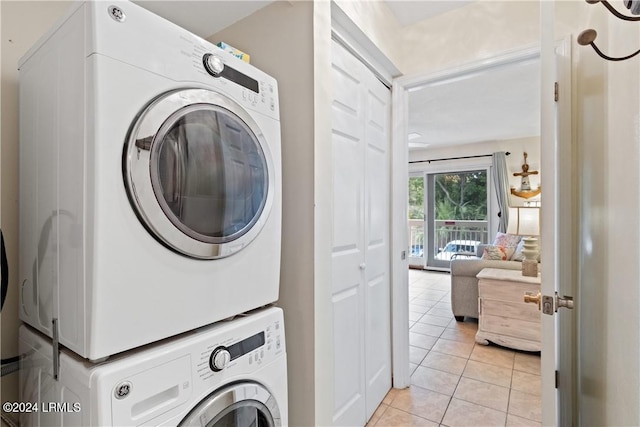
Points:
[[245, 346], [237, 77]]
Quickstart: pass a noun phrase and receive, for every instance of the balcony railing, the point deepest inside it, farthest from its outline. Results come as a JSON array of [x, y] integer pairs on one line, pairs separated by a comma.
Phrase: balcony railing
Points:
[[416, 238], [445, 231]]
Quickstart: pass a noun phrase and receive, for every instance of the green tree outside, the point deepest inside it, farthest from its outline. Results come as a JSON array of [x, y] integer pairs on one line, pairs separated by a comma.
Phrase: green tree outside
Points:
[[461, 196], [416, 197], [458, 196]]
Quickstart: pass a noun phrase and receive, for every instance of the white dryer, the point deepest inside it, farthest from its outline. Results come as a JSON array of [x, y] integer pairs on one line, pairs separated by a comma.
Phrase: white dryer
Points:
[[150, 180], [229, 374]]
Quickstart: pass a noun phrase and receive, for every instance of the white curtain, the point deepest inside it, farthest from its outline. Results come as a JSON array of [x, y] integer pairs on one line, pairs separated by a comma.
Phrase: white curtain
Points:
[[501, 182]]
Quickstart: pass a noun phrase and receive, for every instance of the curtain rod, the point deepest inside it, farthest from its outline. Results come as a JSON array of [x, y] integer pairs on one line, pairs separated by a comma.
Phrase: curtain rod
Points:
[[455, 158]]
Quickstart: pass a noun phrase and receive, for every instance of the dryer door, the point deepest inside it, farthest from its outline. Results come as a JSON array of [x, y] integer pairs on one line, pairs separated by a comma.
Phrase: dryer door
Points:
[[237, 405], [198, 171]]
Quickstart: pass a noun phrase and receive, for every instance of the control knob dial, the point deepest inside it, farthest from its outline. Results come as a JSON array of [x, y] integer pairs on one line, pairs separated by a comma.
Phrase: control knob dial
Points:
[[213, 64], [219, 359]]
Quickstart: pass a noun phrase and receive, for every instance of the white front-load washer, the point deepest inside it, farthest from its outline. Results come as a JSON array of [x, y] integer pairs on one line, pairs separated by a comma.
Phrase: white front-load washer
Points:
[[150, 180], [232, 373]]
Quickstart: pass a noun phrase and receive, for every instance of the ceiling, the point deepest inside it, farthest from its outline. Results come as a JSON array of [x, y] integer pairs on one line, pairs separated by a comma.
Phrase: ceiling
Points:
[[503, 104], [409, 12], [496, 104], [203, 18]]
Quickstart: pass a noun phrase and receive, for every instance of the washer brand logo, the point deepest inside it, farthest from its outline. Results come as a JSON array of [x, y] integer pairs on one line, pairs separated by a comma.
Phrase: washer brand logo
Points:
[[117, 14], [123, 390]]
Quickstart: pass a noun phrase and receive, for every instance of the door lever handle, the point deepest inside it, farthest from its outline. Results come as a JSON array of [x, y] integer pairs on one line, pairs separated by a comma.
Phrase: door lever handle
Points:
[[566, 302], [530, 297]]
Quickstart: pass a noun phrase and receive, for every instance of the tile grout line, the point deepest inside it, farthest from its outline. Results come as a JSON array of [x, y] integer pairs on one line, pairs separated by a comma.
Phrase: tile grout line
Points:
[[437, 287]]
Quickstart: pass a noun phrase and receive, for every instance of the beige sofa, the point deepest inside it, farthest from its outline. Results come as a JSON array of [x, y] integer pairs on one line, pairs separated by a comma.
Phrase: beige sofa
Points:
[[464, 284]]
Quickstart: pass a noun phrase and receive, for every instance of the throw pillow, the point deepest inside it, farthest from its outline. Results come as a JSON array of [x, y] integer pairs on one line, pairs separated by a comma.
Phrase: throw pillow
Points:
[[517, 255], [493, 252], [507, 240]]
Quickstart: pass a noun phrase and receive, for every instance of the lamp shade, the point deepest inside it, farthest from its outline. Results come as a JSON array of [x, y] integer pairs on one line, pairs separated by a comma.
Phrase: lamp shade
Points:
[[524, 221]]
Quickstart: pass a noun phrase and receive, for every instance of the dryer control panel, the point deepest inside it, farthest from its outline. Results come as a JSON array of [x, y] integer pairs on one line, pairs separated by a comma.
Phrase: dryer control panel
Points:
[[258, 94]]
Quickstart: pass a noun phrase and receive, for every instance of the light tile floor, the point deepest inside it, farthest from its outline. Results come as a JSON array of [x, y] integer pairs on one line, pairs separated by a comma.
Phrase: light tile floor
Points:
[[454, 381]]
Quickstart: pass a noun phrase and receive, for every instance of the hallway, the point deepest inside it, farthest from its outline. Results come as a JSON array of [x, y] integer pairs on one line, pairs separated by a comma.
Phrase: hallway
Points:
[[456, 382]]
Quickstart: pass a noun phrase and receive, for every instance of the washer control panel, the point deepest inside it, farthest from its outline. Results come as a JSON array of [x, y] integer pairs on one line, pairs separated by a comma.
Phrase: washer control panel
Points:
[[243, 354], [222, 355]]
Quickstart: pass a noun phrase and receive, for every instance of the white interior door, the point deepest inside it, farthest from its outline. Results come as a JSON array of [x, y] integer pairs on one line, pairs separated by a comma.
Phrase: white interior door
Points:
[[557, 225], [361, 264]]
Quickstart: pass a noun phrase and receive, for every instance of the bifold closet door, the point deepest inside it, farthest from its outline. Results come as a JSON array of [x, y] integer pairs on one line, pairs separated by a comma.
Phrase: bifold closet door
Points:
[[361, 264]]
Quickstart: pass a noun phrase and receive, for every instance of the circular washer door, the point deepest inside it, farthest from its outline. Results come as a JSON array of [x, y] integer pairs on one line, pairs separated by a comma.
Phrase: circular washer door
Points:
[[199, 173], [238, 405]]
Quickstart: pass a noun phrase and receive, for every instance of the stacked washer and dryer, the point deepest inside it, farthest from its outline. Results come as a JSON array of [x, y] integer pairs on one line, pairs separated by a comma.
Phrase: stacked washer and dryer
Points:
[[150, 227]]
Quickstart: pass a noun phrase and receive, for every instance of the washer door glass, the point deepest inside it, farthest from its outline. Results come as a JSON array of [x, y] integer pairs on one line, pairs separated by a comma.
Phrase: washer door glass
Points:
[[243, 414], [198, 172], [237, 405]]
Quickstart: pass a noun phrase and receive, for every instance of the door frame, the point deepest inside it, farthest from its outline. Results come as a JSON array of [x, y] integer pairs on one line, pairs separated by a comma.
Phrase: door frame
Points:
[[400, 169], [558, 161]]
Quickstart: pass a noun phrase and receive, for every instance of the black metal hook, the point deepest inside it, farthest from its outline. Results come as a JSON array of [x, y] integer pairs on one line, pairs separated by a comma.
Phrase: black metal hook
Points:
[[606, 4], [587, 37]]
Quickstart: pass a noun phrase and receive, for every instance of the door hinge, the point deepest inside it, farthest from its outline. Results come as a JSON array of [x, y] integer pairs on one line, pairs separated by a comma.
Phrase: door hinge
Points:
[[556, 91], [557, 377]]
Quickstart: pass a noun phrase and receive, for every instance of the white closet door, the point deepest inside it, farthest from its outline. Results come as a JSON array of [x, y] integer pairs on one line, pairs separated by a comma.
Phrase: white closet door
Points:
[[361, 289]]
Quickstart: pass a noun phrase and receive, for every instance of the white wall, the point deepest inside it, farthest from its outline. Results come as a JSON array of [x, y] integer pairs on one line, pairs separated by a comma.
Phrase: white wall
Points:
[[375, 19], [22, 25], [280, 40], [479, 30]]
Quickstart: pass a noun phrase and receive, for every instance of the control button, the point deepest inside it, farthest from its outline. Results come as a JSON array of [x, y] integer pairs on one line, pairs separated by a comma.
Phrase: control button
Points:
[[213, 64], [261, 353], [250, 361], [255, 357], [277, 323], [219, 359], [278, 343]]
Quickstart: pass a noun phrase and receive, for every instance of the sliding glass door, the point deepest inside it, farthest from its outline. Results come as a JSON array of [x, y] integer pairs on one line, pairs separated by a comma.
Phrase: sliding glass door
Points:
[[416, 224], [457, 206]]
